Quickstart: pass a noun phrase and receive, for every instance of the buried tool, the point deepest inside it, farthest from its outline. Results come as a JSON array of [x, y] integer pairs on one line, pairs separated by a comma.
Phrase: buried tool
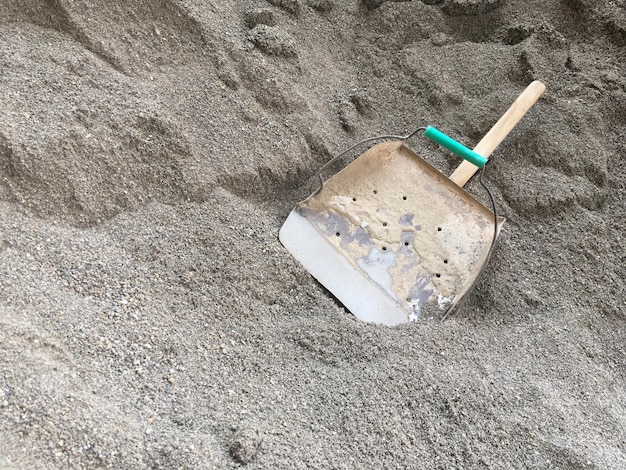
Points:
[[389, 234]]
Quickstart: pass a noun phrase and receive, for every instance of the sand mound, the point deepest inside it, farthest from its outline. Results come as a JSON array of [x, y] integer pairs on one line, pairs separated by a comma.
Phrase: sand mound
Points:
[[149, 317]]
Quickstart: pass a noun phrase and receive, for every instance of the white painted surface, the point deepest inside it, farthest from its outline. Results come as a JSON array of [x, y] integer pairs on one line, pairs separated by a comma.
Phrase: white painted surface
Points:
[[360, 295]]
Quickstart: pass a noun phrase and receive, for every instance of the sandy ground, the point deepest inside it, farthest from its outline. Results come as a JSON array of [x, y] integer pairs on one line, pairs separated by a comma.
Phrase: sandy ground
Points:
[[150, 318]]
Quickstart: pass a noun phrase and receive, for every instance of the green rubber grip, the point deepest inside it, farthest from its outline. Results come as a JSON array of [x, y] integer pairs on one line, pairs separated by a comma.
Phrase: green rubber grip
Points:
[[455, 147]]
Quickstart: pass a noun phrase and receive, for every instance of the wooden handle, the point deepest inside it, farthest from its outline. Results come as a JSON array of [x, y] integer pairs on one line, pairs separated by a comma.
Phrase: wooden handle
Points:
[[500, 130]]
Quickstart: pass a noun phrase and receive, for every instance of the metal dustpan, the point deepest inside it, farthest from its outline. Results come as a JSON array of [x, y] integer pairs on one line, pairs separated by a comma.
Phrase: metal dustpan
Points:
[[390, 235]]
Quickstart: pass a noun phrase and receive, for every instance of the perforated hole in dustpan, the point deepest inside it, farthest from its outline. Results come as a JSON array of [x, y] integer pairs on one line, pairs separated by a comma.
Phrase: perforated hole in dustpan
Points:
[[389, 234]]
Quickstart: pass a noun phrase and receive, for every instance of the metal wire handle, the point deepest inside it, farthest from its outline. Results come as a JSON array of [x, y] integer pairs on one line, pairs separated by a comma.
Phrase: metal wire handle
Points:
[[364, 141], [453, 307]]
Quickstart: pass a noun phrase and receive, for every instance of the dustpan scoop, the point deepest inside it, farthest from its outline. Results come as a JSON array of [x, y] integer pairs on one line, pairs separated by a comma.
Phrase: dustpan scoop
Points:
[[390, 235]]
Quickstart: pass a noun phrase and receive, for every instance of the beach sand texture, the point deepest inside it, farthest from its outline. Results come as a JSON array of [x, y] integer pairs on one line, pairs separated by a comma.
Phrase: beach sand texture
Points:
[[149, 316]]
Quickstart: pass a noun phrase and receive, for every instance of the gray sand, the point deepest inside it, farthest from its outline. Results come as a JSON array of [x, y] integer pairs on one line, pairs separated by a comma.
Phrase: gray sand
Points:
[[149, 317]]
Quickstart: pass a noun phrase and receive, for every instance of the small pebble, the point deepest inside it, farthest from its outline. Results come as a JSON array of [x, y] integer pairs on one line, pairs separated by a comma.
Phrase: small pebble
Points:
[[245, 444]]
